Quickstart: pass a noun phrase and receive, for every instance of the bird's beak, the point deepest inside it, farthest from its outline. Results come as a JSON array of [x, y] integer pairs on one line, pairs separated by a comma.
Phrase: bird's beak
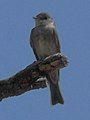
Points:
[[34, 17]]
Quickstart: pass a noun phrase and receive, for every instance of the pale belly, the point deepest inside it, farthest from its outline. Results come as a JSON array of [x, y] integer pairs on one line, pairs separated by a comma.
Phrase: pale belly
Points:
[[45, 48]]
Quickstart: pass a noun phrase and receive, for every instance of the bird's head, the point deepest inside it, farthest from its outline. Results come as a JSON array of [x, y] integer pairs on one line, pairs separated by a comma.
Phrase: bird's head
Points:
[[43, 19]]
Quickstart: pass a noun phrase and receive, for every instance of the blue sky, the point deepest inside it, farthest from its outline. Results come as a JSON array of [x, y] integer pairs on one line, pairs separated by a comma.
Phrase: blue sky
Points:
[[72, 20]]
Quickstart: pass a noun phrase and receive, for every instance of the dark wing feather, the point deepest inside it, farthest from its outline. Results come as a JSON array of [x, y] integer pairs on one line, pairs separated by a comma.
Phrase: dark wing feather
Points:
[[56, 39], [32, 36]]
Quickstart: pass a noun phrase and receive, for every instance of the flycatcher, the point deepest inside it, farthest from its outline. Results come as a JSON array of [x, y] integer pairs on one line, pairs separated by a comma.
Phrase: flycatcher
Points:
[[44, 42]]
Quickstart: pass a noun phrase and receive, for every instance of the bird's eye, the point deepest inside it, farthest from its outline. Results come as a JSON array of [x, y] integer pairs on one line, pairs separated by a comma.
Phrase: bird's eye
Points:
[[45, 18]]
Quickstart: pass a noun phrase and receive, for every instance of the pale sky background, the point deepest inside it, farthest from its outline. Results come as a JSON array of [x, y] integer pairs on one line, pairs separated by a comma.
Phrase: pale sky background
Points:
[[72, 18]]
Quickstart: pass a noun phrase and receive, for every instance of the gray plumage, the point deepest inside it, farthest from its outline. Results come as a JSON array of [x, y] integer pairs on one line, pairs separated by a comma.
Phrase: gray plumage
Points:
[[44, 42]]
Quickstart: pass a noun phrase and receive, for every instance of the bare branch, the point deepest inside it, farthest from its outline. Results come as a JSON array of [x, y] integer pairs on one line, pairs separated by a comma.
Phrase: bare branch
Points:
[[26, 79]]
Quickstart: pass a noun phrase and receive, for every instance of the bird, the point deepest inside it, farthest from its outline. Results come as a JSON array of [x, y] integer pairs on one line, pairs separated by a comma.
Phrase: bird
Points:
[[44, 41]]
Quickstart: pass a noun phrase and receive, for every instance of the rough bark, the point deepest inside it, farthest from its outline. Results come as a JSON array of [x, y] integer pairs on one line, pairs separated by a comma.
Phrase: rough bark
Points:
[[29, 78]]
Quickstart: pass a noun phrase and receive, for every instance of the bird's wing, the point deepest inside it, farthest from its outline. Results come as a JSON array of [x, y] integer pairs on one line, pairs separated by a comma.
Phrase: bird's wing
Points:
[[56, 39], [32, 37]]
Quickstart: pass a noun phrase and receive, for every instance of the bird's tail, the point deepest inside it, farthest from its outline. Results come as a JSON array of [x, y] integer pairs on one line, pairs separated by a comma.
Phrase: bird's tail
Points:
[[56, 96]]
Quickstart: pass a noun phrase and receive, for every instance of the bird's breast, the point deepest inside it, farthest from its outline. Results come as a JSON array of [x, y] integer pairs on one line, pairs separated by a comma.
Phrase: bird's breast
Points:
[[45, 45]]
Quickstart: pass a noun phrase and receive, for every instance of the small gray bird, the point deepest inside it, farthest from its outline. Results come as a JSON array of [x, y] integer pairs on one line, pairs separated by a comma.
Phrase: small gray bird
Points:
[[44, 42]]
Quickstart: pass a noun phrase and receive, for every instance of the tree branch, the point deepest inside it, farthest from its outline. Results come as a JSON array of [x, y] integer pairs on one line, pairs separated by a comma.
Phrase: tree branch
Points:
[[28, 79]]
